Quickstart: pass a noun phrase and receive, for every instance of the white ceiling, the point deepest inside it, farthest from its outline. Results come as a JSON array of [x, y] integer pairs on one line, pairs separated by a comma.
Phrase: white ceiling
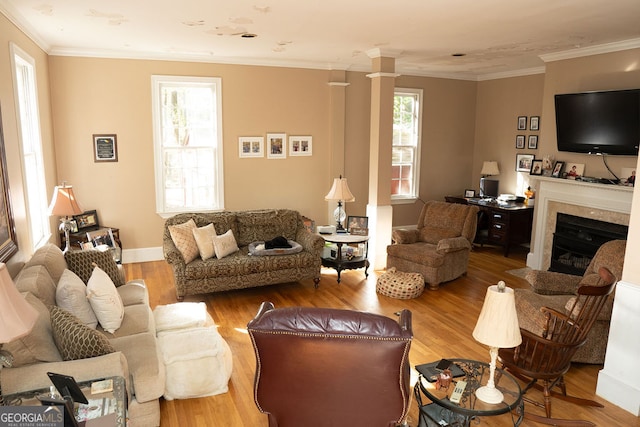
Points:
[[499, 37]]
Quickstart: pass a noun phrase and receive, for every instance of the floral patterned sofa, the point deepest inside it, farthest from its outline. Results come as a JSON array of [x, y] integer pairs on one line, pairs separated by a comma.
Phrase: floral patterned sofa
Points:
[[240, 269]]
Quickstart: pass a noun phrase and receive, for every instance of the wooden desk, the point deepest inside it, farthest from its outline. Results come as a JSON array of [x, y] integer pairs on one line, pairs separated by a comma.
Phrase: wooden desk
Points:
[[508, 223]]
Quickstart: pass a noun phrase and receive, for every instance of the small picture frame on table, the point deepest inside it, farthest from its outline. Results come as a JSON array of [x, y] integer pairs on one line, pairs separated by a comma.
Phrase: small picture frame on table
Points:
[[358, 225], [523, 162], [557, 169], [520, 142], [469, 193], [536, 167], [87, 220]]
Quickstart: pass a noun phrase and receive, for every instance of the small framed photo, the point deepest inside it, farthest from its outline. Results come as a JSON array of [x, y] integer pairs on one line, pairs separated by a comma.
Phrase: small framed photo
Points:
[[522, 122], [251, 146], [534, 123], [73, 226], [533, 142], [557, 169], [300, 145], [523, 162], [358, 225], [469, 193], [276, 146], [536, 167], [87, 220], [520, 141], [574, 170], [105, 148], [628, 176]]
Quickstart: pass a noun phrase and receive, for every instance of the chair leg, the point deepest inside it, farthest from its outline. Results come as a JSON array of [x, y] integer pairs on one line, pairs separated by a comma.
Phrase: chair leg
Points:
[[547, 398]]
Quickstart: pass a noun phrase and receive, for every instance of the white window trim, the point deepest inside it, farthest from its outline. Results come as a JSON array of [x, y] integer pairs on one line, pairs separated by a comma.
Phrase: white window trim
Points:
[[401, 199], [35, 241], [156, 80]]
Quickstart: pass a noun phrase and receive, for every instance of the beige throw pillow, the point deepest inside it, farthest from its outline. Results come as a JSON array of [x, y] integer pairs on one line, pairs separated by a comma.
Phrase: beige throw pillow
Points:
[[76, 340], [225, 244], [204, 239], [105, 300], [71, 295], [182, 236]]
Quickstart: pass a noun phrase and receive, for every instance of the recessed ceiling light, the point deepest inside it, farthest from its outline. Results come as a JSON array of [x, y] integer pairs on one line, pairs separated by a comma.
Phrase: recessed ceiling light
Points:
[[248, 35], [458, 54]]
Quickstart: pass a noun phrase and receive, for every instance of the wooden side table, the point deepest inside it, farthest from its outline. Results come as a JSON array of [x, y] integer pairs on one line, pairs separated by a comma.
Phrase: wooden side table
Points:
[[338, 262], [77, 239]]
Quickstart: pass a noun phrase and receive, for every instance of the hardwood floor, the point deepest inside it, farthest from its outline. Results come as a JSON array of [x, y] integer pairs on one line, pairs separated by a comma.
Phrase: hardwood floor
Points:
[[442, 324]]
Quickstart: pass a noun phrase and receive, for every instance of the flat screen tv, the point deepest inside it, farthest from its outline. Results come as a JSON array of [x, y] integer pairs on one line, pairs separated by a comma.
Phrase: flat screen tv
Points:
[[599, 122]]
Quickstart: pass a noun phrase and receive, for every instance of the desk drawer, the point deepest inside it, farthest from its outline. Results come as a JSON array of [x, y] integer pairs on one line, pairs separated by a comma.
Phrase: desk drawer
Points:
[[498, 233]]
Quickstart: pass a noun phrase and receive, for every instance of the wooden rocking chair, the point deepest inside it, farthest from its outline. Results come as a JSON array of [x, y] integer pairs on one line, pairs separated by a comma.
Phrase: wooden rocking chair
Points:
[[547, 358]]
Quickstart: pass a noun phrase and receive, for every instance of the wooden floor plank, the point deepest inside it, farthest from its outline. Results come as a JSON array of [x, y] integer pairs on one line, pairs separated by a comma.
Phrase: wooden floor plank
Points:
[[442, 324]]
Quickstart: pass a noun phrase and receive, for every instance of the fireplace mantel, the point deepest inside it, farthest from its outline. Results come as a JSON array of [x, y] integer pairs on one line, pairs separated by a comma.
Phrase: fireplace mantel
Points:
[[611, 203]]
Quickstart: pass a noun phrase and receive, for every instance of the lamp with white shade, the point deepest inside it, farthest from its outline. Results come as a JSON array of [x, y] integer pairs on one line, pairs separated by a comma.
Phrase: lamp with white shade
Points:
[[17, 317], [340, 192], [497, 327], [65, 205], [489, 187]]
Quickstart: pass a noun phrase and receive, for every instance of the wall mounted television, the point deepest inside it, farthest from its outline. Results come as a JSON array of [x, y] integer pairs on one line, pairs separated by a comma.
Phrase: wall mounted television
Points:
[[606, 122]]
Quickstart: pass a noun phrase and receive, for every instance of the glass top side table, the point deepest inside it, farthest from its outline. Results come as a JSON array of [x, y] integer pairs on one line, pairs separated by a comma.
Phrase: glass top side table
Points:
[[443, 412]]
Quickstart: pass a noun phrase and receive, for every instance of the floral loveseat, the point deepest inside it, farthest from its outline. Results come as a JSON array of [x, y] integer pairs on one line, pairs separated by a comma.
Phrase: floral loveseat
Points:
[[200, 270]]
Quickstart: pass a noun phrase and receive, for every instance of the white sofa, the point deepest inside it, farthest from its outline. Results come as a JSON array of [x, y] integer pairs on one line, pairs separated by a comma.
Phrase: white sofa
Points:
[[136, 356]]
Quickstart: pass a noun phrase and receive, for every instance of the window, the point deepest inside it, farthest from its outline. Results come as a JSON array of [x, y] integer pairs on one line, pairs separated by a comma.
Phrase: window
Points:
[[187, 138], [31, 143], [405, 158]]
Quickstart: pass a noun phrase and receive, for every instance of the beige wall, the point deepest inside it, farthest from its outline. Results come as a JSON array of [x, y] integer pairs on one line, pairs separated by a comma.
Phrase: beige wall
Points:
[[10, 34]]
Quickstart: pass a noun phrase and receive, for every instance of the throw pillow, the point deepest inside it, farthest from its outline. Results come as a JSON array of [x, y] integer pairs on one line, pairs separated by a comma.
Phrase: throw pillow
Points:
[[71, 295], [182, 236], [105, 300], [225, 244], [204, 240], [76, 340], [82, 263]]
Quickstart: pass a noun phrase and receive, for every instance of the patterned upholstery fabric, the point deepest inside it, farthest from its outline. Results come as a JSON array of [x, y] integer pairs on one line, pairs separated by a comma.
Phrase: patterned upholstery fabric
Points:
[[81, 263], [76, 340], [239, 270], [183, 238]]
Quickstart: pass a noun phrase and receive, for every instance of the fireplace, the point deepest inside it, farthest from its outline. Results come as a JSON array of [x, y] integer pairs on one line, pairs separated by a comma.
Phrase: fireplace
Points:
[[576, 240]]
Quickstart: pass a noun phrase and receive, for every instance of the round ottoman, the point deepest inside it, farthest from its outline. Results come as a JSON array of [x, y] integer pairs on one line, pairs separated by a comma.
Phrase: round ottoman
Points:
[[401, 285]]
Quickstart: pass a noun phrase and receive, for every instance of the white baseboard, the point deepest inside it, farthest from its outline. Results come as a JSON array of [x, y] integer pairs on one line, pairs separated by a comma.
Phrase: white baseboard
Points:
[[142, 255]]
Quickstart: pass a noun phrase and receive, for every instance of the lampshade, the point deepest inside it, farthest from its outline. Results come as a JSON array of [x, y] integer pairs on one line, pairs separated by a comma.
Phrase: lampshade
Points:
[[497, 324], [17, 317], [64, 202], [490, 168], [340, 191]]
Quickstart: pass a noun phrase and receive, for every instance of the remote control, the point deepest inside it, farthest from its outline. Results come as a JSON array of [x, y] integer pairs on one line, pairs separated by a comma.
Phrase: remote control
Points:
[[457, 392]]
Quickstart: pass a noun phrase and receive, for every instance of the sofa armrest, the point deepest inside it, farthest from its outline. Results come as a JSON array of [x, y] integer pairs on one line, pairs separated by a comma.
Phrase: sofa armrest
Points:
[[552, 283], [309, 241], [171, 253], [32, 377], [453, 244], [402, 236]]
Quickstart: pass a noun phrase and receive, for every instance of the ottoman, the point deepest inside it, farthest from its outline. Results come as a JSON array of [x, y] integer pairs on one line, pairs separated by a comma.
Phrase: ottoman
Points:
[[197, 359], [401, 285]]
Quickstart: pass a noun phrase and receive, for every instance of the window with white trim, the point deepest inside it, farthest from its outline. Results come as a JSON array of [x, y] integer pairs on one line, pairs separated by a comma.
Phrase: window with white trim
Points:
[[187, 139], [30, 137], [405, 158]]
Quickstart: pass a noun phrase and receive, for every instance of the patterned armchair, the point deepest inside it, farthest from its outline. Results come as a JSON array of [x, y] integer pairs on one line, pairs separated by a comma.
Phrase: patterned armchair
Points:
[[558, 291], [439, 247]]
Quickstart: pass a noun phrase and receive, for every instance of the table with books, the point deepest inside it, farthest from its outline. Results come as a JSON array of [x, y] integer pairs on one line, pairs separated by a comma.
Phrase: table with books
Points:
[[447, 409]]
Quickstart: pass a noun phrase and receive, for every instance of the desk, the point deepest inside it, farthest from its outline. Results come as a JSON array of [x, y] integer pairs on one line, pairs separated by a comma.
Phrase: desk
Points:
[[444, 412], [508, 223], [338, 261]]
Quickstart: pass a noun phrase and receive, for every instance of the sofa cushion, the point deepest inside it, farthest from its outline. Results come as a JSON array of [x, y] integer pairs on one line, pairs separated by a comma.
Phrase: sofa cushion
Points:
[[134, 292], [138, 318], [225, 244], [37, 345], [82, 263], [74, 339], [36, 279], [435, 234], [259, 249], [71, 295], [264, 225], [51, 257], [204, 240], [105, 300], [182, 236], [418, 253]]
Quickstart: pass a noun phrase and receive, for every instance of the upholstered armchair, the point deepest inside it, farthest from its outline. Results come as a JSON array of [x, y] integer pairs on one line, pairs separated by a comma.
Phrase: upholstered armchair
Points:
[[329, 367], [558, 290], [439, 247]]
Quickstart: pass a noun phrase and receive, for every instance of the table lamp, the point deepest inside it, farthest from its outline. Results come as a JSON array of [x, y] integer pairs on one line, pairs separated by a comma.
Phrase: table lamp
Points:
[[17, 317], [497, 327], [489, 187], [65, 205], [340, 192]]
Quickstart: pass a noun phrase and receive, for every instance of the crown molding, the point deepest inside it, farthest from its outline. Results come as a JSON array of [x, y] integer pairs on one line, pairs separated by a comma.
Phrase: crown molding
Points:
[[592, 50], [16, 19], [514, 73]]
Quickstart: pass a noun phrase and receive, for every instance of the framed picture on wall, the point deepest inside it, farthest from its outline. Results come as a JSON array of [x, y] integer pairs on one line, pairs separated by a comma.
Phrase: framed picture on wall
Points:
[[105, 148], [533, 142], [522, 122], [520, 141], [523, 162], [276, 146], [300, 145], [534, 123], [8, 240], [251, 146]]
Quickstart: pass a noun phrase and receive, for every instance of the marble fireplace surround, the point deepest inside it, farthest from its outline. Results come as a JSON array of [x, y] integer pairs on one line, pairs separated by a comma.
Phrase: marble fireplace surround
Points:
[[610, 203]]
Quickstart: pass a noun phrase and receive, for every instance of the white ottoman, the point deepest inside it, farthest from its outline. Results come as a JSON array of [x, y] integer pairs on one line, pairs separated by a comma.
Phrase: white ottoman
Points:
[[197, 359]]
